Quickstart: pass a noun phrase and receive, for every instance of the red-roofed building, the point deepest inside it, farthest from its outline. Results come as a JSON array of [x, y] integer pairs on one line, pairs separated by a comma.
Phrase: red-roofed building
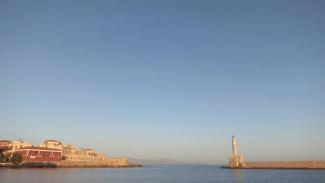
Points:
[[39, 154]]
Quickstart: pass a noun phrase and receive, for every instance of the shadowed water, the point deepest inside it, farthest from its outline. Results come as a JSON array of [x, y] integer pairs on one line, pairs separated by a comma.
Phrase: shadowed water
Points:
[[159, 174]]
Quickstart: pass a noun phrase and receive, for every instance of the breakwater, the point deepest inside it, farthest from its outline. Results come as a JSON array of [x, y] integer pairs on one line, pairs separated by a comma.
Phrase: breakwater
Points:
[[236, 161], [285, 165], [281, 165]]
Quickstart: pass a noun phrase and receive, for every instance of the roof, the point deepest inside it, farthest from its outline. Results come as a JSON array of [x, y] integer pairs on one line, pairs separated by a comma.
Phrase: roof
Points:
[[87, 149], [52, 140], [5, 141], [38, 148]]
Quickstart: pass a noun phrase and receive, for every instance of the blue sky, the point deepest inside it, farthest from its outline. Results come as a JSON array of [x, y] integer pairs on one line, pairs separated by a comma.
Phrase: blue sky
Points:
[[166, 79]]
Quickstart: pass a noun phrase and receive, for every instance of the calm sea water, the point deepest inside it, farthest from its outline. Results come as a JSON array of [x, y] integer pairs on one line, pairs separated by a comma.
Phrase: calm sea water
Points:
[[159, 174]]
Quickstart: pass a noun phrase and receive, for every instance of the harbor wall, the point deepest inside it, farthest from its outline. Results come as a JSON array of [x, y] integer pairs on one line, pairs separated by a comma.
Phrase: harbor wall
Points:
[[285, 165], [106, 163]]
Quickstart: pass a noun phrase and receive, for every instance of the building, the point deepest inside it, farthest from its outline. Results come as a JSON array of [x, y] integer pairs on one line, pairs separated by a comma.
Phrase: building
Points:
[[39, 154], [88, 157], [68, 149], [5, 144], [70, 153], [52, 144], [60, 154], [49, 151], [17, 144], [13, 145]]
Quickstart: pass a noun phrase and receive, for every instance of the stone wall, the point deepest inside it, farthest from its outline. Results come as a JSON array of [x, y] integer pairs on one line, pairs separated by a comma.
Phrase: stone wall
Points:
[[111, 162], [286, 164]]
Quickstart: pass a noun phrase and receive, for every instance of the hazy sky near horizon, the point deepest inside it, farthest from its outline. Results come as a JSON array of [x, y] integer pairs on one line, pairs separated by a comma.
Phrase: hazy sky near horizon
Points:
[[166, 79]]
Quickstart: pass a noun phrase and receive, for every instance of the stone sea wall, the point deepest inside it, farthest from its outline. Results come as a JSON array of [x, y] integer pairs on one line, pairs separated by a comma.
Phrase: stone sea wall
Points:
[[286, 165], [106, 163]]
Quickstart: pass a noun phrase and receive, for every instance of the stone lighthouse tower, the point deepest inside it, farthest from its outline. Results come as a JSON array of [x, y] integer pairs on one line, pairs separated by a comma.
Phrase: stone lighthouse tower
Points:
[[234, 146], [235, 160]]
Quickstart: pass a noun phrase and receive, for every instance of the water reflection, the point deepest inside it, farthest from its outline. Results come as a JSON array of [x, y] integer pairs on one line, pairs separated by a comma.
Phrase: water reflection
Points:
[[159, 174], [237, 175]]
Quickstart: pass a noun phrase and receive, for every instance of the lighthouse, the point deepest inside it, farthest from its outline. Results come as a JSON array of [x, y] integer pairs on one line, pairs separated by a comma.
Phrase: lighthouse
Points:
[[234, 146], [235, 160]]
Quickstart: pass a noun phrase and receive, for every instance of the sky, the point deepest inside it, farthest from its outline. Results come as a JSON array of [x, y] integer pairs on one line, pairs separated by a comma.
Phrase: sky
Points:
[[166, 79]]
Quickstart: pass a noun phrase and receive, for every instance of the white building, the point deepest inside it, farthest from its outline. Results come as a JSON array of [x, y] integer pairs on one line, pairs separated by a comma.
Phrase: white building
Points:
[[17, 144], [52, 144]]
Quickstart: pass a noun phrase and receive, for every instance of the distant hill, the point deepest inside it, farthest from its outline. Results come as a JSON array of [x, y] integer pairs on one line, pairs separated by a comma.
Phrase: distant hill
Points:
[[155, 161]]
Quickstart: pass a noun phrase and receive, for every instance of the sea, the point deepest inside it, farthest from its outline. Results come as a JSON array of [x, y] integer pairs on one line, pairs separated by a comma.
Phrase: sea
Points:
[[160, 174]]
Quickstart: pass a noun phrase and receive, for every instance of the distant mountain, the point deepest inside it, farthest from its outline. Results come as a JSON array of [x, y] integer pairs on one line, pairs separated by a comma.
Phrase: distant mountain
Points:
[[155, 161]]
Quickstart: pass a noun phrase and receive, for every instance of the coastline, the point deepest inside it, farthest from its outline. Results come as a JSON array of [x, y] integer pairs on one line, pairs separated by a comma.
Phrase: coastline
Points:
[[55, 165]]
